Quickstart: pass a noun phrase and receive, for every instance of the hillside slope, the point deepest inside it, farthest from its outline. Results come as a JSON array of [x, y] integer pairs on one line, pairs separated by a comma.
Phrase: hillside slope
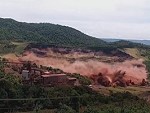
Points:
[[146, 42], [46, 33], [15, 37]]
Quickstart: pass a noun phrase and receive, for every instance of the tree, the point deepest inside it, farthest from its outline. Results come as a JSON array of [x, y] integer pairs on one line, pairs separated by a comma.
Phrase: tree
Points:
[[91, 110], [65, 109]]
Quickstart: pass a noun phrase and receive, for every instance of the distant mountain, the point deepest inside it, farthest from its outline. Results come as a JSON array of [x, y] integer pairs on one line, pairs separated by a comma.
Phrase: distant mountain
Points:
[[146, 42], [46, 33]]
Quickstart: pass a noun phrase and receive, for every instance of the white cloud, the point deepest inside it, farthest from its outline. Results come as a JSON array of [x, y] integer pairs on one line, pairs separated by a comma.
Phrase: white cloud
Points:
[[100, 18]]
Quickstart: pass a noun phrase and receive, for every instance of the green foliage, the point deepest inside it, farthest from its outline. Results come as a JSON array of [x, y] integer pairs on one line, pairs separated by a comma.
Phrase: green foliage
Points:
[[119, 97], [147, 63], [9, 85], [54, 70], [46, 33], [91, 110], [75, 97], [122, 107], [145, 53], [65, 109], [128, 44], [10, 47], [51, 35]]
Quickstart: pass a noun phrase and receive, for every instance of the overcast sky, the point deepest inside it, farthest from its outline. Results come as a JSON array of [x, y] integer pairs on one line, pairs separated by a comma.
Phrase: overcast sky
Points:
[[128, 19]]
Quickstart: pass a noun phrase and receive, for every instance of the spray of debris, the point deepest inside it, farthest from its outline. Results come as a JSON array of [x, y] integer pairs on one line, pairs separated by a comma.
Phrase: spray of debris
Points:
[[124, 73]]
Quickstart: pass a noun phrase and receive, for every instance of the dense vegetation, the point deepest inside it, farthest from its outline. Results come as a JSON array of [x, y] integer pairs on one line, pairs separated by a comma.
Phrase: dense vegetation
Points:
[[45, 33], [51, 34], [146, 53], [128, 44], [64, 99], [147, 63], [69, 100]]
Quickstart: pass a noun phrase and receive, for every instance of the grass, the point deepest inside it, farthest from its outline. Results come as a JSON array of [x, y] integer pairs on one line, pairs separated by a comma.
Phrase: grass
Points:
[[12, 47], [19, 47], [136, 90], [134, 52]]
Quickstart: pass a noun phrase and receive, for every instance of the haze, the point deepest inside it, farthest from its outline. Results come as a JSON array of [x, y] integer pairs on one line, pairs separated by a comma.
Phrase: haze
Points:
[[128, 19]]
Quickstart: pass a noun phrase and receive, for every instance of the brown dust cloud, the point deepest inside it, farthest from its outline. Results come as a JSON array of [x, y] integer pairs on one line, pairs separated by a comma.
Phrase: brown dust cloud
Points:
[[133, 70]]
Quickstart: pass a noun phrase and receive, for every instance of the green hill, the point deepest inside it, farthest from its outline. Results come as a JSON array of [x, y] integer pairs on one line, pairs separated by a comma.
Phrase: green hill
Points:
[[16, 36], [46, 33]]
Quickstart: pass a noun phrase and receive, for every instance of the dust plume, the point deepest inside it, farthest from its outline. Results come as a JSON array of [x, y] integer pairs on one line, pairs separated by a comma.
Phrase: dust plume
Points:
[[130, 70]]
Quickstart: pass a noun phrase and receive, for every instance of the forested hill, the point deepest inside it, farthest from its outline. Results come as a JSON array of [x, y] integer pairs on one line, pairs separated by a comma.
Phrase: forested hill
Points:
[[146, 42], [46, 33]]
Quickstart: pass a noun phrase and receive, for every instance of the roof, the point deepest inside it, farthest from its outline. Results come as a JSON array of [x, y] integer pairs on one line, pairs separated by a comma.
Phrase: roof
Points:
[[47, 72], [27, 71], [53, 75], [71, 78], [37, 69]]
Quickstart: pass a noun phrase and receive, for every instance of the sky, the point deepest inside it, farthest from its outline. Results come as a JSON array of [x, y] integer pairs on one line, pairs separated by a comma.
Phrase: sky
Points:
[[125, 19]]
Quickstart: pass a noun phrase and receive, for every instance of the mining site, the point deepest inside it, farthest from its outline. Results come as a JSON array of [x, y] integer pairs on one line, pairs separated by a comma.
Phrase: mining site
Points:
[[51, 68], [109, 70]]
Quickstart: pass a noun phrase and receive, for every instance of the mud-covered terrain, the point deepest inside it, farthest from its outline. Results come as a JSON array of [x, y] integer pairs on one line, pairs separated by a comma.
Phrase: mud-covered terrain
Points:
[[108, 69], [57, 56]]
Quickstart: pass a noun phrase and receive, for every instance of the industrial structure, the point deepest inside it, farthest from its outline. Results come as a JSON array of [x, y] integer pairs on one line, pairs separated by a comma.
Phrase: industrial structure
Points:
[[32, 74]]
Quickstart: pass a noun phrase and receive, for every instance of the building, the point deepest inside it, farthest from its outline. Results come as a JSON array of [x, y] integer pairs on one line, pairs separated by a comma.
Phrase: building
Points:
[[72, 81], [58, 80], [25, 75], [54, 79]]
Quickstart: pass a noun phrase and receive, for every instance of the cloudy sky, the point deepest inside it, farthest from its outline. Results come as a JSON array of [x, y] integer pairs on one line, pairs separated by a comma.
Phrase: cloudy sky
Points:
[[128, 19]]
